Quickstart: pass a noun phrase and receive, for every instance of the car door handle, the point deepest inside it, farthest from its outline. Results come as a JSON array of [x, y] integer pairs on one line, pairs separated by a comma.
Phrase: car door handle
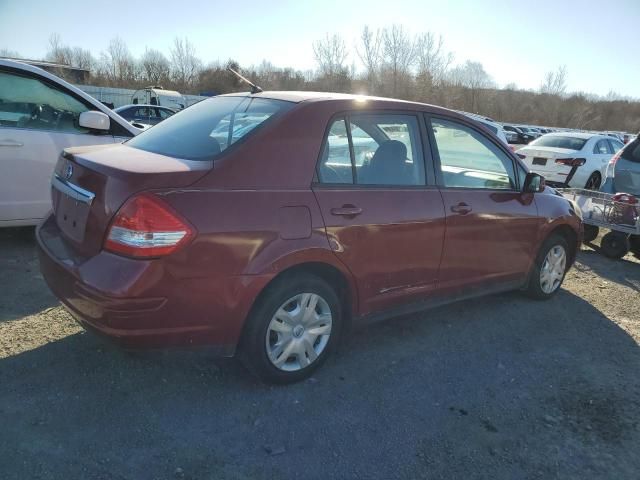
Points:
[[10, 143], [461, 208], [346, 211]]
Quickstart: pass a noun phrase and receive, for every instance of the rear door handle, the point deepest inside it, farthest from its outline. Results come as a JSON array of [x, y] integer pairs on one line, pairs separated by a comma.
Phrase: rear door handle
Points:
[[461, 208], [10, 143], [346, 211]]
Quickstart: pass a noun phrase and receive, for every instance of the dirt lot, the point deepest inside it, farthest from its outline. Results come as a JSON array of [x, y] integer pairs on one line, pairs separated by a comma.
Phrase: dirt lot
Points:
[[496, 388]]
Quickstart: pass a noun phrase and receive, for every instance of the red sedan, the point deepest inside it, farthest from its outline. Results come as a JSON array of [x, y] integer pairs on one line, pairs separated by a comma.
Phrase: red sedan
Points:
[[263, 224]]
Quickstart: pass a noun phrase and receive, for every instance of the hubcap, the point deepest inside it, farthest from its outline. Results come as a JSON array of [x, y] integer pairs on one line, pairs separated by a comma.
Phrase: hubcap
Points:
[[298, 332], [553, 268]]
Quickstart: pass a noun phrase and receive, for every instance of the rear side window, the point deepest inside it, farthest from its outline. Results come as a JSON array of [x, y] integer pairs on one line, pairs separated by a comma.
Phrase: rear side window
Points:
[[602, 148], [373, 149], [206, 129]]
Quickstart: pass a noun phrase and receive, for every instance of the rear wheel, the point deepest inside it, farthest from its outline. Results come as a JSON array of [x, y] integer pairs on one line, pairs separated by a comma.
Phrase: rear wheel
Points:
[[292, 329], [615, 245], [593, 182], [549, 268], [590, 233]]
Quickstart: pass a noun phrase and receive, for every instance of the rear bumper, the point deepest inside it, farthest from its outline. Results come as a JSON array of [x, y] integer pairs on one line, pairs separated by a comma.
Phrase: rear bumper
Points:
[[145, 303]]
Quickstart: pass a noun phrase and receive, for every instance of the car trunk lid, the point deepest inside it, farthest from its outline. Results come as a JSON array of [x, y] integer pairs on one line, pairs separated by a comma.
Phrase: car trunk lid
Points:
[[90, 184], [542, 160]]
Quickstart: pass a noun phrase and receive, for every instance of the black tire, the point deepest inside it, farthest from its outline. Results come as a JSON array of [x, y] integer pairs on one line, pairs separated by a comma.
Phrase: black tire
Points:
[[593, 182], [534, 288], [634, 245], [615, 245], [590, 233], [253, 348]]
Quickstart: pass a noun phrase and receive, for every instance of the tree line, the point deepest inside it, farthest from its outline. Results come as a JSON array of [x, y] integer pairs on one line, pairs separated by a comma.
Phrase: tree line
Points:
[[390, 62]]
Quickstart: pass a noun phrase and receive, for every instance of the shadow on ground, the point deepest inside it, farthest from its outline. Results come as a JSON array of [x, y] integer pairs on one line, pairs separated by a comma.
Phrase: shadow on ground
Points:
[[500, 387], [625, 271], [24, 291]]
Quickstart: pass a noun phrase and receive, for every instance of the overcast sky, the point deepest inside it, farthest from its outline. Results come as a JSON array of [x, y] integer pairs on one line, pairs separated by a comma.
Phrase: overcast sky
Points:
[[516, 41]]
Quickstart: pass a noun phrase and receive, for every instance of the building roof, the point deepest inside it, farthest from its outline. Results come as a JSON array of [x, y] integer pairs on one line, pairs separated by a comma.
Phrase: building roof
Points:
[[45, 64]]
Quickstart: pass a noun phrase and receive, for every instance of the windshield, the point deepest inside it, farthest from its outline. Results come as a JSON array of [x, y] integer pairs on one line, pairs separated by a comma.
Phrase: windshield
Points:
[[569, 143], [206, 129]]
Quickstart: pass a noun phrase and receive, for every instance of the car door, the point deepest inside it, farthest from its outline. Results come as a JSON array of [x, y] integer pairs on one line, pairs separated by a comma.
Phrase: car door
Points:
[[384, 222], [37, 120], [603, 153], [491, 227]]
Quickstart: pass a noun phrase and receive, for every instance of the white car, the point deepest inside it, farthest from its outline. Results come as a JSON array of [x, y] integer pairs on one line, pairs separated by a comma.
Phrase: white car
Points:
[[553, 155], [40, 115]]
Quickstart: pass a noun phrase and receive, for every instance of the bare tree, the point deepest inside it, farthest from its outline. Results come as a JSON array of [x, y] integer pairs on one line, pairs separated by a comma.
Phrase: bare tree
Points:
[[155, 66], [82, 58], [555, 83], [370, 54], [185, 65], [5, 52], [399, 54], [473, 77], [330, 54], [433, 61], [57, 52], [117, 63]]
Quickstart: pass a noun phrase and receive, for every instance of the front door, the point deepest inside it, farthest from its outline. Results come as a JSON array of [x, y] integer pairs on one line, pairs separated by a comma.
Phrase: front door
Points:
[[37, 121], [491, 227], [383, 221]]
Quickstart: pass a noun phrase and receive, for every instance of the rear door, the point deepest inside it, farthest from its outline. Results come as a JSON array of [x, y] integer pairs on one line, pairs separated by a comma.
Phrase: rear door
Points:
[[384, 220], [603, 152], [37, 120], [491, 227]]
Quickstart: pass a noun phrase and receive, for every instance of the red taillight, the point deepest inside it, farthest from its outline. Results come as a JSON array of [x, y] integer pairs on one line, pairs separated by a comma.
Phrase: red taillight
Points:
[[615, 158], [571, 162], [145, 227]]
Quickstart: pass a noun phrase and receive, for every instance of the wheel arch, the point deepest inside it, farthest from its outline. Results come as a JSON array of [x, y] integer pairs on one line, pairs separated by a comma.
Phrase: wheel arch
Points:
[[571, 236], [335, 275]]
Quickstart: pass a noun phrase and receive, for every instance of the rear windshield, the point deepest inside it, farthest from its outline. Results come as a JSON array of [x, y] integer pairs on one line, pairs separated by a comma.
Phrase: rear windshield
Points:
[[570, 143], [206, 129], [632, 151]]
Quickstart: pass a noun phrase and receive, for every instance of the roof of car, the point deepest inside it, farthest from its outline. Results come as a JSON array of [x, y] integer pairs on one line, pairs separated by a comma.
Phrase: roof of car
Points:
[[117, 109], [583, 135], [299, 96]]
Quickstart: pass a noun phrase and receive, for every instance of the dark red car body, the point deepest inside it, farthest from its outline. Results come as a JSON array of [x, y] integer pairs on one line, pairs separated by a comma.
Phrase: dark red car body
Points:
[[258, 212]]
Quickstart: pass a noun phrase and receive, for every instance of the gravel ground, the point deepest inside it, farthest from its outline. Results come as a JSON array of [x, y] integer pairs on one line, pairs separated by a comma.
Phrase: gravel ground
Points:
[[497, 388]]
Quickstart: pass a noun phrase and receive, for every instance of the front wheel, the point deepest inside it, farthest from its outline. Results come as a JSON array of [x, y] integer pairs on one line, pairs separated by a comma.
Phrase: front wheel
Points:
[[549, 268], [292, 329], [590, 233]]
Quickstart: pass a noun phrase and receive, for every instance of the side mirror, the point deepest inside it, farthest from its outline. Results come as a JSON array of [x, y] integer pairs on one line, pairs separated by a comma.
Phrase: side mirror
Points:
[[94, 120], [533, 183]]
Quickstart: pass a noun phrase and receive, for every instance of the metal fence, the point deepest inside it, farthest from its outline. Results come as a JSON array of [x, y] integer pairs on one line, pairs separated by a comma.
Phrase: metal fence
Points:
[[122, 96]]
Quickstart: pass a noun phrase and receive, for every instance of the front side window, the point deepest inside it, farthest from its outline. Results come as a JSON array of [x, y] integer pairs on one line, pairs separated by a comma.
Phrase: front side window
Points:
[[469, 160], [206, 129], [373, 149], [27, 102], [615, 145]]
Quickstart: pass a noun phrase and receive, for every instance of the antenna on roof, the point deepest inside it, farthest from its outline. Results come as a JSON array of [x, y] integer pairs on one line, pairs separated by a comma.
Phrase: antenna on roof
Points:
[[254, 88]]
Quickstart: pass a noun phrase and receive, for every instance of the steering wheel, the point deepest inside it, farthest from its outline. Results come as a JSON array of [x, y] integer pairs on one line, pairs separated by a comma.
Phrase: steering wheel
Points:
[[36, 113]]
